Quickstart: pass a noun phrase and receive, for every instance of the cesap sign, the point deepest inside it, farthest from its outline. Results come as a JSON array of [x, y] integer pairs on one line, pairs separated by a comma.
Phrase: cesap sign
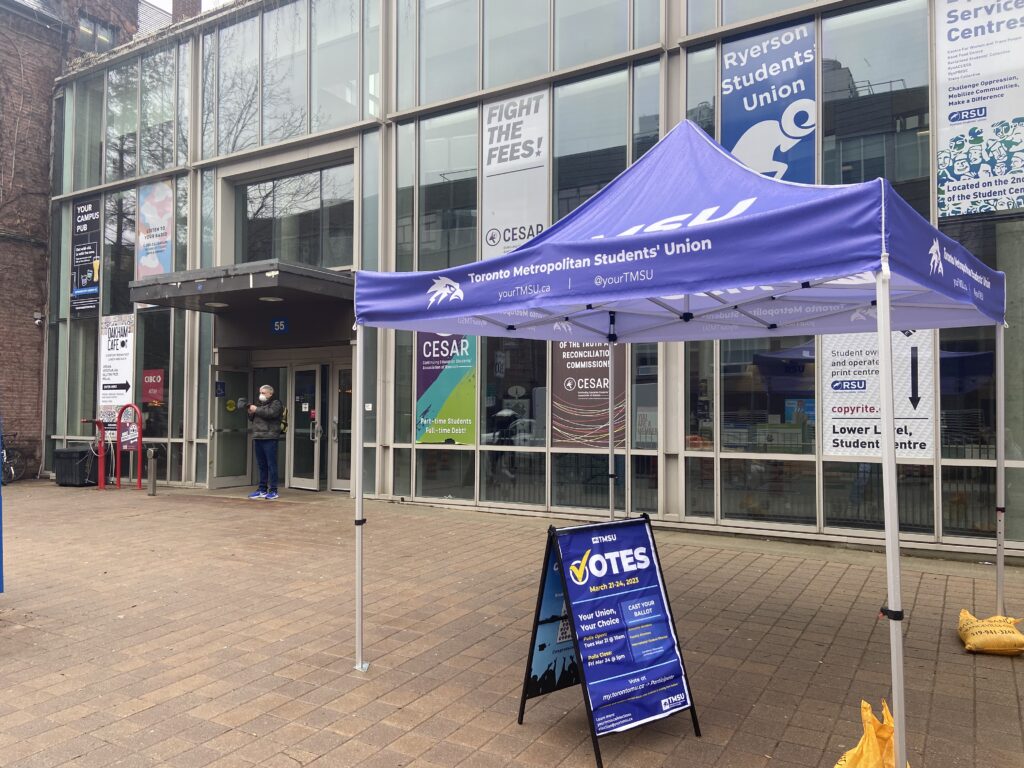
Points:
[[153, 385]]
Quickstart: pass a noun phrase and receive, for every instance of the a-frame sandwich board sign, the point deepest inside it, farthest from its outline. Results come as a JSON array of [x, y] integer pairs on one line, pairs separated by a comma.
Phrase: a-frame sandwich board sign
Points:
[[603, 619]]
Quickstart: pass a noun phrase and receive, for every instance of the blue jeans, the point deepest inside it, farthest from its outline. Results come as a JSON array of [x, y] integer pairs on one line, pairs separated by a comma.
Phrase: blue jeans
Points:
[[266, 460]]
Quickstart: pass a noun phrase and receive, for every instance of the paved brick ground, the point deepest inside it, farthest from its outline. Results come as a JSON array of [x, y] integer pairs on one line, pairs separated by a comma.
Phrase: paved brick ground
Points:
[[192, 631]]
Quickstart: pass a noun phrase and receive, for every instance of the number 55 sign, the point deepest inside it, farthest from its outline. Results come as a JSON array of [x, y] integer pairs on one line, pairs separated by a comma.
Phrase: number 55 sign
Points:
[[279, 325]]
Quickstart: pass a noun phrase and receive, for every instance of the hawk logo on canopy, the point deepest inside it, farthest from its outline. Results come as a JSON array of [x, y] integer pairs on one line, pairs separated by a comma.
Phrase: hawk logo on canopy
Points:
[[444, 288], [935, 266]]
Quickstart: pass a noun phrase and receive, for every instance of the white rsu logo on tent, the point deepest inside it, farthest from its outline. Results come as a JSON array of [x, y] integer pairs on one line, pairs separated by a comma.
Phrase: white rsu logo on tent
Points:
[[444, 288]]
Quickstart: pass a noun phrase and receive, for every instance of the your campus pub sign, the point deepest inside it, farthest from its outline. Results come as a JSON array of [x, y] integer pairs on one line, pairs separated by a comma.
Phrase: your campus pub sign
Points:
[[603, 619]]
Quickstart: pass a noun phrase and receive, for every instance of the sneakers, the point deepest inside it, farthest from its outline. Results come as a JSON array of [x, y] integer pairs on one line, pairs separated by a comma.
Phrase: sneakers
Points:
[[259, 495], [271, 496]]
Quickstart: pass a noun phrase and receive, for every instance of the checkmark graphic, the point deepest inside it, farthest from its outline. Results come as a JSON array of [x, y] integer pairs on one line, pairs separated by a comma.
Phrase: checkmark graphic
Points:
[[578, 571]]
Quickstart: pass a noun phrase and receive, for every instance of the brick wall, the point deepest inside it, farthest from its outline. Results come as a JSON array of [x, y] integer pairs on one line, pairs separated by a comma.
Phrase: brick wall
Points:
[[30, 57]]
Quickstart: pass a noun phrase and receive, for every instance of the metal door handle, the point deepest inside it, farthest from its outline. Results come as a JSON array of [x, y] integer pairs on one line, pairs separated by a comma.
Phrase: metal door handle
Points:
[[312, 431], [334, 430]]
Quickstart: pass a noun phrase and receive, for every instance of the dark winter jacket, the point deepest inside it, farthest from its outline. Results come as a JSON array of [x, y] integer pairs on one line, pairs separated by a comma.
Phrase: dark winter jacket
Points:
[[266, 421]]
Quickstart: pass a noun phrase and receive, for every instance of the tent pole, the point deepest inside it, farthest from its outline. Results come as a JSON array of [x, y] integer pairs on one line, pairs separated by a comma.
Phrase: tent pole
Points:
[[611, 427], [357, 488], [894, 610], [1000, 470]]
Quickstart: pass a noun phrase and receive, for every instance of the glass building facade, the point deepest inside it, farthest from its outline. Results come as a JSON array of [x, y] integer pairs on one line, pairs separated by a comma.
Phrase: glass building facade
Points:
[[333, 135]]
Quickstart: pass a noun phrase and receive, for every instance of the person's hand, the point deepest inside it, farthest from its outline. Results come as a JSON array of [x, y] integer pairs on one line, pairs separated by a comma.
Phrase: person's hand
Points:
[[252, 409]]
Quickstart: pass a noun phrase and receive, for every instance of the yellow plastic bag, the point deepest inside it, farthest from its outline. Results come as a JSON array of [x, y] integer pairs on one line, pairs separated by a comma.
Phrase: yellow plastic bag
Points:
[[996, 634], [875, 748]]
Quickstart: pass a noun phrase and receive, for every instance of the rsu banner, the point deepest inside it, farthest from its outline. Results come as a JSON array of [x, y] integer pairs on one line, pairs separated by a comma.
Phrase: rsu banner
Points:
[[768, 101], [980, 92], [623, 641]]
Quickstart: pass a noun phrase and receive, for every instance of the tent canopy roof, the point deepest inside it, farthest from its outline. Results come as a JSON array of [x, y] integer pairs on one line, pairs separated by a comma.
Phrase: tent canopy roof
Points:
[[687, 243]]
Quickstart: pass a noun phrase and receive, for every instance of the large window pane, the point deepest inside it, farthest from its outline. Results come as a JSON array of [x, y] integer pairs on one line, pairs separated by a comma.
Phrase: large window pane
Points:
[[88, 131], [82, 375], [118, 251], [208, 116], [644, 400], [701, 88], [157, 147], [875, 92], [238, 74], [205, 354], [741, 10], [853, 496], [581, 480], [588, 30], [284, 71], [445, 474], [122, 121], [513, 392], [447, 220], [153, 356], [645, 484], [646, 107], [700, 15], [280, 219], [512, 477], [335, 69], [1015, 500], [405, 195], [969, 501], [699, 394], [338, 216], [769, 491], [256, 222], [181, 223], [646, 22], [184, 99], [403, 387], [178, 376], [370, 225], [405, 77], [768, 395], [700, 487], [208, 192], [968, 393], [448, 49], [966, 360], [515, 40], [371, 58], [591, 118]]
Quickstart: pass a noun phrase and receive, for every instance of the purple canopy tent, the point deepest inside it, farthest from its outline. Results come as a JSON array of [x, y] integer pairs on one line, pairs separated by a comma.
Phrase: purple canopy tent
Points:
[[689, 244]]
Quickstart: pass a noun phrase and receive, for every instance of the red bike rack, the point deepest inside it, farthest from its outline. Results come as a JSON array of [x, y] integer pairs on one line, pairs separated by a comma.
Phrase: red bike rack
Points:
[[138, 442], [101, 475]]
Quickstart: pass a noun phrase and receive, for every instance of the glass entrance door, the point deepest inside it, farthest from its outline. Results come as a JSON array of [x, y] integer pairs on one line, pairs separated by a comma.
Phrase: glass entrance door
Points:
[[305, 427], [229, 427], [341, 428]]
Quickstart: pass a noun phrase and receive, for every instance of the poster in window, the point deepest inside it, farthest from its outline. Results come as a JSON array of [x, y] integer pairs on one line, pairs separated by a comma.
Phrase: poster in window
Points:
[[85, 257], [156, 228], [980, 136], [445, 388], [768, 101], [579, 395], [515, 173]]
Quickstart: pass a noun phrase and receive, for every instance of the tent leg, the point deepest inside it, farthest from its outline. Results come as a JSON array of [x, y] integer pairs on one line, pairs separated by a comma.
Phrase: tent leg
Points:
[[1000, 471], [357, 488], [611, 431], [892, 518]]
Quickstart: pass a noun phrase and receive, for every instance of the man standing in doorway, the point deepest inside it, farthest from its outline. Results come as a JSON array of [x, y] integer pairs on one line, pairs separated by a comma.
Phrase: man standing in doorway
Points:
[[266, 429]]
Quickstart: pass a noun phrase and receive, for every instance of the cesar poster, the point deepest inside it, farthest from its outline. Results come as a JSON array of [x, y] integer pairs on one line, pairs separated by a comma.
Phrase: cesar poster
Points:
[[579, 395], [980, 142], [515, 172], [768, 101], [156, 225], [445, 388]]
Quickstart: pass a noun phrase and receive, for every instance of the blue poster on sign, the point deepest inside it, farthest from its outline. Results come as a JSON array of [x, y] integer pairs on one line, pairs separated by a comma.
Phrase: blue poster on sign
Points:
[[552, 663], [629, 656], [768, 101]]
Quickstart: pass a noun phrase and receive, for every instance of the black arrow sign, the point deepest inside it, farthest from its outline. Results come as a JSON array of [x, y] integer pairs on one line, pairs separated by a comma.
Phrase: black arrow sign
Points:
[[914, 399], [124, 386]]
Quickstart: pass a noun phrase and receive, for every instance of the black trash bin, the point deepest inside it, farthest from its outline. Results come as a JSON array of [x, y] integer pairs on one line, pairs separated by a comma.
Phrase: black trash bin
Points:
[[74, 466]]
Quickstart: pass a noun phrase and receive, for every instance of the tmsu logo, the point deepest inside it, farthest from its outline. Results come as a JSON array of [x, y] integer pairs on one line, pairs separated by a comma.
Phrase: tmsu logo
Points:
[[615, 563], [672, 701], [444, 288]]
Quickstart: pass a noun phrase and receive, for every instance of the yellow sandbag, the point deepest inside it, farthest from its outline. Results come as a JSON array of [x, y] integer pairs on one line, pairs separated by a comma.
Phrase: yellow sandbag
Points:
[[875, 748], [996, 634]]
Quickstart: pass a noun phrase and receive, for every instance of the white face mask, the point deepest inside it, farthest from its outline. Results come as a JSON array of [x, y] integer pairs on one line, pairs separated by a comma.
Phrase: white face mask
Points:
[[263, 398]]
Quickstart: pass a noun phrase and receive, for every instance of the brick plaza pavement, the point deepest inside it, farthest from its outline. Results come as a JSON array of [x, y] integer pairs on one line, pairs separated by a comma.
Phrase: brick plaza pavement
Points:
[[193, 630]]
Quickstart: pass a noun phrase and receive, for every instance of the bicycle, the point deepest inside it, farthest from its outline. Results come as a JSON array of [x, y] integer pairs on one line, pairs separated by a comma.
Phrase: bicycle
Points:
[[12, 462]]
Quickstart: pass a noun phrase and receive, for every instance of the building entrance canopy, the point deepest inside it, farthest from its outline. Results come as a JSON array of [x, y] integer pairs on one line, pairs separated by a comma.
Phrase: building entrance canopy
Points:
[[241, 289], [689, 244]]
